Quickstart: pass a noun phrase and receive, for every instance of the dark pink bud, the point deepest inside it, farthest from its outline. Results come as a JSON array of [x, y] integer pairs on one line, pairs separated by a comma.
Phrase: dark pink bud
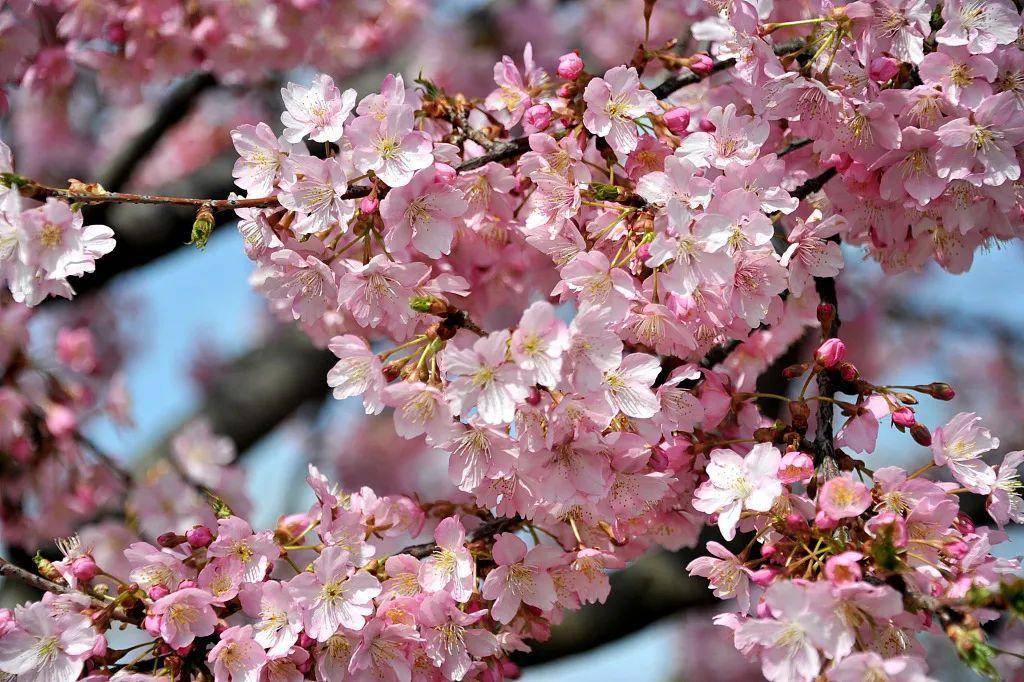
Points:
[[368, 204], [563, 91], [185, 584], [158, 592], [763, 576], [169, 539], [199, 536], [706, 126], [702, 64], [830, 353], [305, 641], [677, 120], [537, 118], [533, 397], [444, 174], [883, 69], [762, 609], [769, 550], [570, 66], [84, 568], [795, 522], [904, 417]]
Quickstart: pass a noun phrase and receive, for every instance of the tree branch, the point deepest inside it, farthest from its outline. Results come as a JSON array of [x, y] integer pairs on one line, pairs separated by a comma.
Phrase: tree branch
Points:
[[170, 112]]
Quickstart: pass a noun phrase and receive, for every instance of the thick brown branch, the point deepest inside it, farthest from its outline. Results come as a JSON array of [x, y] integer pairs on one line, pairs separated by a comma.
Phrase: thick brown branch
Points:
[[170, 112]]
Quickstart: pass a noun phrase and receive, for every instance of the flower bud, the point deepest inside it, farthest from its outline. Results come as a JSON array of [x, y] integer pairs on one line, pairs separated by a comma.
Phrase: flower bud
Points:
[[537, 118], [701, 64], [443, 173], [170, 539], [570, 66], [84, 568], [677, 120], [830, 353], [763, 610], [199, 536], [565, 92], [904, 417], [883, 69], [921, 434], [763, 577], [794, 371], [706, 126], [369, 203], [941, 391], [826, 314], [185, 584], [158, 592], [848, 371]]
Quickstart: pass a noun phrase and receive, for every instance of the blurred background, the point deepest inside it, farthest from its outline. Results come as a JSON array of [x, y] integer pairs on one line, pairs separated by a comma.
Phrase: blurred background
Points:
[[195, 342]]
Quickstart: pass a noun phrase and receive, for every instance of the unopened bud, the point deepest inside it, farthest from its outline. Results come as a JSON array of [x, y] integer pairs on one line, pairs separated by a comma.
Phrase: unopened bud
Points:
[[199, 536], [701, 64], [848, 371], [904, 417], [883, 69], [906, 398], [202, 228], [428, 304], [830, 353], [941, 390], [677, 120], [706, 125], [46, 568], [537, 118], [158, 592], [369, 203], [84, 568], [921, 434], [570, 66], [170, 539], [797, 370], [826, 315]]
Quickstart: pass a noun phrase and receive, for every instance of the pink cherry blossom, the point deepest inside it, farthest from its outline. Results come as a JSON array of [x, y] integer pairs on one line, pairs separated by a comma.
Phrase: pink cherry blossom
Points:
[[237, 657], [959, 445], [451, 567], [521, 577], [727, 577], [317, 112], [185, 615], [613, 105], [737, 482], [482, 377], [423, 212], [334, 595]]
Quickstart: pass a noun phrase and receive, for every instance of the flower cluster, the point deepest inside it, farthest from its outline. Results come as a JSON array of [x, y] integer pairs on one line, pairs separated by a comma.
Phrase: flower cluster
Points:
[[569, 288], [42, 244], [240, 603], [130, 43]]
